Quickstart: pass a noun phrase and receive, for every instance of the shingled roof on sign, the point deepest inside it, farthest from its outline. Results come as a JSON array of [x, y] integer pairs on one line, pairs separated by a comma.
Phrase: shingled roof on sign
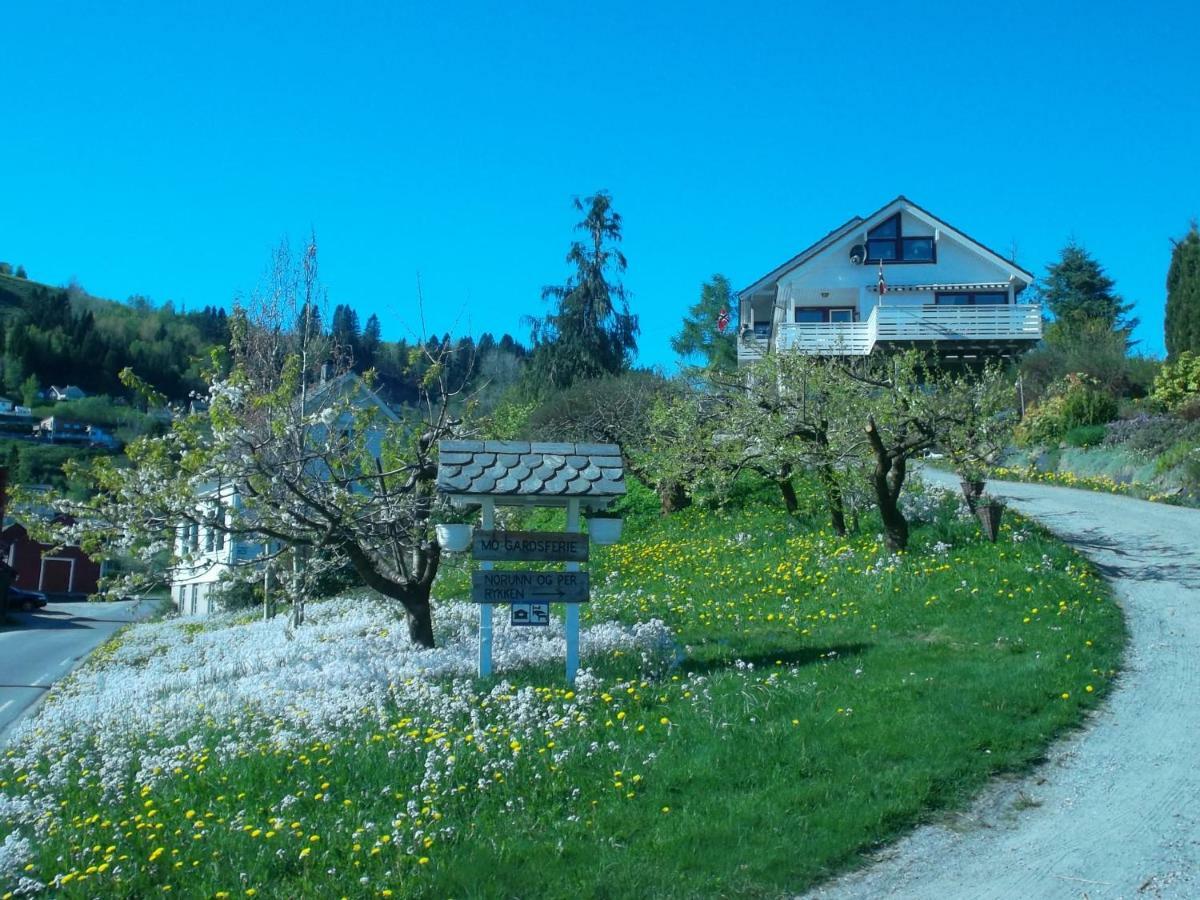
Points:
[[522, 472]]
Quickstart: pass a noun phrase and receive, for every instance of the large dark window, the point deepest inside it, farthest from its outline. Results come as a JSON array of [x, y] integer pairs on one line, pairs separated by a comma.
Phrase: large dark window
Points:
[[816, 315], [970, 298], [885, 243]]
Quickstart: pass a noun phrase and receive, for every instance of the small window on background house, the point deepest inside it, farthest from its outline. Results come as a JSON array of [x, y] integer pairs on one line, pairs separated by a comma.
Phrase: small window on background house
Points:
[[841, 315], [209, 540], [762, 330], [809, 316]]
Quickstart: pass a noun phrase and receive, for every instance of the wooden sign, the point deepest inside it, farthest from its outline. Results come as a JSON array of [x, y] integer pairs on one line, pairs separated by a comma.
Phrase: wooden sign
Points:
[[529, 546], [529, 587], [529, 615]]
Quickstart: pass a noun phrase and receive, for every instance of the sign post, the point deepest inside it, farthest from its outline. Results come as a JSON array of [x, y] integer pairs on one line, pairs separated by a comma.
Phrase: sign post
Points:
[[485, 609], [572, 608], [571, 474], [529, 592]]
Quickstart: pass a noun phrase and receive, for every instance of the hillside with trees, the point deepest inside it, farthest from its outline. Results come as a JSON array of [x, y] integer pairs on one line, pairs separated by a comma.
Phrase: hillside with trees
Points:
[[65, 336]]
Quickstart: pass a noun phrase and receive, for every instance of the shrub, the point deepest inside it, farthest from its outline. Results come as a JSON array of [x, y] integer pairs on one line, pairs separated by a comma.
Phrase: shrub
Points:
[[1085, 404], [1086, 435], [1189, 411], [1075, 401], [1179, 454], [1178, 383]]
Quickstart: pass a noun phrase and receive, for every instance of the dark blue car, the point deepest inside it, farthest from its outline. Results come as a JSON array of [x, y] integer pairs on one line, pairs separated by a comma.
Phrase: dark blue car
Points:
[[19, 598]]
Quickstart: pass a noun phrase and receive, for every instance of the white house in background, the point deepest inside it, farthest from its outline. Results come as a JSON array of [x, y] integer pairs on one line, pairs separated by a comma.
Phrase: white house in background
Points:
[[941, 291], [67, 392], [203, 556]]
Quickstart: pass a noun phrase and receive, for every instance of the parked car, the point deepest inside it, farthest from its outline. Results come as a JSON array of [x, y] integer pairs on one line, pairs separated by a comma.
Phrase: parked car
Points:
[[19, 598]]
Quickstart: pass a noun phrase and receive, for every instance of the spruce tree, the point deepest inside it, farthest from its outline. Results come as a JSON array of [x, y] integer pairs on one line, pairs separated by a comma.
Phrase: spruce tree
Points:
[[1183, 296], [591, 332], [372, 337], [701, 333], [1078, 291]]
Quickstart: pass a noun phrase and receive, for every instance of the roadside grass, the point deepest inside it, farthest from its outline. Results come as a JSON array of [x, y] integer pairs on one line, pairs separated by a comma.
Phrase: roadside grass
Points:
[[824, 697]]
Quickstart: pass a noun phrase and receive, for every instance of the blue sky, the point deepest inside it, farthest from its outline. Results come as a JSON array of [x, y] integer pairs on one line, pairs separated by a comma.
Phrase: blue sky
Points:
[[160, 149]]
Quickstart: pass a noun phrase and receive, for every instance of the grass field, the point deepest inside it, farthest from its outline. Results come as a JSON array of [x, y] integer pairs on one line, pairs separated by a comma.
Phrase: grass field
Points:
[[764, 702]]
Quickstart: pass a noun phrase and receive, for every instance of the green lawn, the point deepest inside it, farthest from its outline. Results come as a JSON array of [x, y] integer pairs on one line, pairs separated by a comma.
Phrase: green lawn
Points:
[[824, 698]]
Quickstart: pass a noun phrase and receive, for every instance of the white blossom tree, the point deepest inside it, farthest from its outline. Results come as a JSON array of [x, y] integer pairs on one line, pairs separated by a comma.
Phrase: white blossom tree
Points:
[[290, 450]]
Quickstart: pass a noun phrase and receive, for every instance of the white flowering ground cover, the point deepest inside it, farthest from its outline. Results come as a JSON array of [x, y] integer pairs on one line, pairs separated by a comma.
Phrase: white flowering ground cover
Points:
[[762, 700]]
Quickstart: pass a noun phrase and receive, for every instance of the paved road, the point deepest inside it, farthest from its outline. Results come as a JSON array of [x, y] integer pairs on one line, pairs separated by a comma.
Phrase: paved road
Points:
[[38, 648], [1116, 808]]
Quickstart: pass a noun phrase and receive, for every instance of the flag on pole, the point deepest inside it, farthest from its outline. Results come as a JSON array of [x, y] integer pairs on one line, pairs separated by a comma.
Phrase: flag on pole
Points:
[[723, 321], [882, 283]]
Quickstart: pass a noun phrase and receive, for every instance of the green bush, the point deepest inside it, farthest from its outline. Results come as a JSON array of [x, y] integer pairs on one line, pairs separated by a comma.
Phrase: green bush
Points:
[[1075, 401], [1178, 382], [1085, 405], [1180, 454], [1086, 435]]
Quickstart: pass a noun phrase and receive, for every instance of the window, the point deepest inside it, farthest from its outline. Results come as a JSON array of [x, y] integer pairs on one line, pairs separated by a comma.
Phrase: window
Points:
[[885, 243], [815, 315], [970, 298], [762, 330]]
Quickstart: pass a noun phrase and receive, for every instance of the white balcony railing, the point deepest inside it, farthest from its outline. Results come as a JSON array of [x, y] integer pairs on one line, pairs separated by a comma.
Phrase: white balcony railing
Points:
[[1022, 321], [1001, 322]]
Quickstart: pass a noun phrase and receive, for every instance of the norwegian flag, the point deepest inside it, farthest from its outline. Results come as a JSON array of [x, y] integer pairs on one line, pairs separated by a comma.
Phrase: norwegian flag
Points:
[[723, 320], [882, 282]]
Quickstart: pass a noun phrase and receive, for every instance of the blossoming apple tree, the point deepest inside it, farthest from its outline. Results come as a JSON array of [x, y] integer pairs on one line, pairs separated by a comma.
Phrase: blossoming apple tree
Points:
[[291, 452]]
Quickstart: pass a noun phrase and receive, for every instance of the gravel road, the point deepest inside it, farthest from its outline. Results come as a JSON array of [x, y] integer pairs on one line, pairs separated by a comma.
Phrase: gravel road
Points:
[[1115, 810]]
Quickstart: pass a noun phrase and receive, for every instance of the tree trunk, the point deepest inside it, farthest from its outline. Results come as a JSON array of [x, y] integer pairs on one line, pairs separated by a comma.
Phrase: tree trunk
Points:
[[420, 622], [888, 480], [833, 500], [413, 594], [895, 526], [790, 502], [672, 497]]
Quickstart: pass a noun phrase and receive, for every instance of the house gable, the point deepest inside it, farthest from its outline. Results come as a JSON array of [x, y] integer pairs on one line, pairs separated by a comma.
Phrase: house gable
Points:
[[956, 256]]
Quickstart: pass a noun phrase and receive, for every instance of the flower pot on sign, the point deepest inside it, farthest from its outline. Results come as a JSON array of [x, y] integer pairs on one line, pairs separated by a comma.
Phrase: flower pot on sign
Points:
[[989, 517], [454, 538], [972, 490], [604, 530]]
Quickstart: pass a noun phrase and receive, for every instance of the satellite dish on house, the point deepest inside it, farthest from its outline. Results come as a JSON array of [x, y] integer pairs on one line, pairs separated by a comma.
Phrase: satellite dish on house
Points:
[[858, 254]]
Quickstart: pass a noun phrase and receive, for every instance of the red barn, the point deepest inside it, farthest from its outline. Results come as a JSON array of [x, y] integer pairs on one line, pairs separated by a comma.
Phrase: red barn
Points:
[[67, 570]]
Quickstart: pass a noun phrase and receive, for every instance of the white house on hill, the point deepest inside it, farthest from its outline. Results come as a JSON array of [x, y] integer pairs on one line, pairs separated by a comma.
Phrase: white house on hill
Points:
[[205, 556], [940, 290]]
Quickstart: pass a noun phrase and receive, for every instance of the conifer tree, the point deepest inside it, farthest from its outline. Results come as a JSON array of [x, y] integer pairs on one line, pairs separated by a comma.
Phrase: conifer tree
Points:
[[1183, 296], [1078, 291], [591, 332], [702, 333]]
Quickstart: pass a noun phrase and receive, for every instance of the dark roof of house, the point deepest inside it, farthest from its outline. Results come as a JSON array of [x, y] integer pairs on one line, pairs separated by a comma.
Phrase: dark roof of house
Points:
[[537, 472]]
